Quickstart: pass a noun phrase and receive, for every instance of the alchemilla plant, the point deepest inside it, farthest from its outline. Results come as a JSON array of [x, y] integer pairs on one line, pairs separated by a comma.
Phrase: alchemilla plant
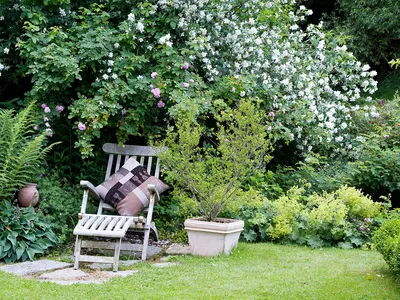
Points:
[[123, 69]]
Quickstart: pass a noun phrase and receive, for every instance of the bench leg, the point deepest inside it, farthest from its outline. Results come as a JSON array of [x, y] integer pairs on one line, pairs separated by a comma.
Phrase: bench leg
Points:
[[116, 254], [77, 252], [145, 243]]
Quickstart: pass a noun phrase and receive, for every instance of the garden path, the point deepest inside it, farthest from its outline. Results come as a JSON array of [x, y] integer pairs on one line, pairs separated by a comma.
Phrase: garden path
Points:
[[64, 274]]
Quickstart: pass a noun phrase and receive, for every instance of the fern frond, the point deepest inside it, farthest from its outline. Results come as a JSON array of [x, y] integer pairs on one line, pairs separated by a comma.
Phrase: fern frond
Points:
[[20, 152]]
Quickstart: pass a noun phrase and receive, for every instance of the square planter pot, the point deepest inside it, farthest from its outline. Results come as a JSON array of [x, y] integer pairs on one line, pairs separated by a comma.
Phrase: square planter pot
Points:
[[213, 238]]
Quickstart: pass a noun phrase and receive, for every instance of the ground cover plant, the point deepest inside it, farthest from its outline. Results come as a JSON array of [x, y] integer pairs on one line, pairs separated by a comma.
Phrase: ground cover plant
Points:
[[253, 271]]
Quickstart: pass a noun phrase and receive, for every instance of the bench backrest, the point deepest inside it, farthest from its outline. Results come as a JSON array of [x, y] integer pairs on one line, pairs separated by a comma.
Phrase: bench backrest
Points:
[[117, 155]]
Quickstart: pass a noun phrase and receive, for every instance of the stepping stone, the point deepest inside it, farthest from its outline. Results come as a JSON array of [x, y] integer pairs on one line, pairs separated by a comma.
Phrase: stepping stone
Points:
[[178, 249], [164, 264], [99, 266], [64, 274], [70, 276], [31, 267]]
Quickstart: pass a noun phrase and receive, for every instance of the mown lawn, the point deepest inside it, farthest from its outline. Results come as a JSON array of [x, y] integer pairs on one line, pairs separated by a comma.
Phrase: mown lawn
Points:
[[253, 271]]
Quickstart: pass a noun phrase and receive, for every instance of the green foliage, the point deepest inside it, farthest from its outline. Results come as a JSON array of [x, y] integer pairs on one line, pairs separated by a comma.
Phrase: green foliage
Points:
[[387, 242], [23, 233], [20, 149], [377, 162], [372, 28], [257, 220], [343, 218], [389, 85], [208, 178], [60, 206], [316, 174]]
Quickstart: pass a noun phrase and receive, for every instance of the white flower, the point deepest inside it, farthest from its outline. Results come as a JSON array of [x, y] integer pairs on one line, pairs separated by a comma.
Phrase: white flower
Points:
[[339, 139], [140, 27], [6, 50], [105, 76], [110, 55], [343, 125], [114, 76], [366, 67], [62, 12], [131, 17], [242, 93], [110, 62], [109, 70], [116, 45], [1, 18], [1, 66]]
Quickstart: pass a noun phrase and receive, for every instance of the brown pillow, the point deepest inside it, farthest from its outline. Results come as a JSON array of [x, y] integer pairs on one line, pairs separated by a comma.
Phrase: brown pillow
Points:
[[126, 190]]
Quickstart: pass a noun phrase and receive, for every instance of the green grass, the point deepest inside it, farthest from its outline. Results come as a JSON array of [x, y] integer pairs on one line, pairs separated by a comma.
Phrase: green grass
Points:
[[253, 271]]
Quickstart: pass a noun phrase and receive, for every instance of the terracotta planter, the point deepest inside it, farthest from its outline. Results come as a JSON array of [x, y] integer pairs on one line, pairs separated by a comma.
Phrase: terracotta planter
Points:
[[213, 238], [28, 195]]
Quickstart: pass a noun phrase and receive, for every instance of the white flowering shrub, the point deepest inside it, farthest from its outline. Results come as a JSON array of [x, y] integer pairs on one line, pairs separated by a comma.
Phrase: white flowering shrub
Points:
[[133, 66]]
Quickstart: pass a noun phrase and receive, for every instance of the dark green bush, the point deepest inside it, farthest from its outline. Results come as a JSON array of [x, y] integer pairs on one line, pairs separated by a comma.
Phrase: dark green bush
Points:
[[387, 242], [23, 233], [60, 205]]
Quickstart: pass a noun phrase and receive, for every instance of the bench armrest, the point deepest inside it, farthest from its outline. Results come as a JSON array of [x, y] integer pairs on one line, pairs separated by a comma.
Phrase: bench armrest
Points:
[[89, 186]]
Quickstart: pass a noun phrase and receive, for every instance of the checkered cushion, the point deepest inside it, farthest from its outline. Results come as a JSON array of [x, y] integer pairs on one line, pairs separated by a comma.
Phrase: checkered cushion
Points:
[[126, 190]]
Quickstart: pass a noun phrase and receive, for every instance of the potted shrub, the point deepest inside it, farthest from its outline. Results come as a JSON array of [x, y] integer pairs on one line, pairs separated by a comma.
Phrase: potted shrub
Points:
[[207, 172]]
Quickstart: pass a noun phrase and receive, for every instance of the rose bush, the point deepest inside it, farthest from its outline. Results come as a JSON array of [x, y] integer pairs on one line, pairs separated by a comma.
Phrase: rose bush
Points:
[[120, 65]]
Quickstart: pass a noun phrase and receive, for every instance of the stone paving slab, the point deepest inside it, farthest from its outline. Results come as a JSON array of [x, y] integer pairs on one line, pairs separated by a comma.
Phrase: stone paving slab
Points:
[[178, 249], [99, 266], [70, 276], [64, 274], [30, 267]]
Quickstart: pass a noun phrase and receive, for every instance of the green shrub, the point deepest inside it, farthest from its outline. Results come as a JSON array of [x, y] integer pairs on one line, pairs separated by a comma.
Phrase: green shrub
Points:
[[359, 206], [23, 233], [207, 177], [60, 205], [387, 242], [344, 218]]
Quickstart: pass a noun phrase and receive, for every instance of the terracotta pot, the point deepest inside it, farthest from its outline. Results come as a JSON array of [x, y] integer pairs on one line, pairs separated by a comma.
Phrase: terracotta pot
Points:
[[28, 195]]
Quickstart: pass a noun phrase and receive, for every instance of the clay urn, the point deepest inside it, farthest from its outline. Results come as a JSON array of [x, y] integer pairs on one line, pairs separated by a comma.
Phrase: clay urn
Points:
[[28, 195]]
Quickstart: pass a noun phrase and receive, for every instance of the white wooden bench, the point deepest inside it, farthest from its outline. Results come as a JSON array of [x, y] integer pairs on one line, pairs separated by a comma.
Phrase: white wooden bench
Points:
[[115, 226]]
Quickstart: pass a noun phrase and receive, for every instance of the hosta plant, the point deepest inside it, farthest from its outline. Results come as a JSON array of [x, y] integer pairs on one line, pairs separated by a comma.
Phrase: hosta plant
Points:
[[23, 233]]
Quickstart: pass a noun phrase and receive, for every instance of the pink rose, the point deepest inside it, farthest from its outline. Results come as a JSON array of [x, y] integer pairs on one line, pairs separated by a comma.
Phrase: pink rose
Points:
[[44, 105], [47, 109], [81, 126], [160, 104], [153, 75], [59, 108], [156, 92], [185, 85], [185, 65]]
